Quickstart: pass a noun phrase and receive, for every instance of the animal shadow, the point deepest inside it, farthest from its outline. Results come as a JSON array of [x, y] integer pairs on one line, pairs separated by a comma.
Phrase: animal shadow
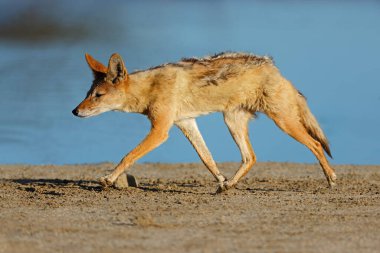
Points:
[[31, 184]]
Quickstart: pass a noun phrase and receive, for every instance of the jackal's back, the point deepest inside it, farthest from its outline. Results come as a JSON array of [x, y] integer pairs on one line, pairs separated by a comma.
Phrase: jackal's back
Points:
[[229, 80], [214, 83]]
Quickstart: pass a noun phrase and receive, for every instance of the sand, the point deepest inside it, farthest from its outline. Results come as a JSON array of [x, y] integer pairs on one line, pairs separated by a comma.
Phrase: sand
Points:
[[278, 207]]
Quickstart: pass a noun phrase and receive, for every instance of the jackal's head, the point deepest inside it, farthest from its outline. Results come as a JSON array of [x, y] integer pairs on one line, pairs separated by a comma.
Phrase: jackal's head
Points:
[[108, 89]]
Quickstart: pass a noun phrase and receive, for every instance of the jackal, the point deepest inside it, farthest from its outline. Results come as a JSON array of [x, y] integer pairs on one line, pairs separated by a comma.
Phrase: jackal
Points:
[[235, 84]]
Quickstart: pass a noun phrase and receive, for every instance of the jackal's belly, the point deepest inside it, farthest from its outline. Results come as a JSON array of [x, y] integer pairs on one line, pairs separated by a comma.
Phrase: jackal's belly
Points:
[[192, 114], [198, 108]]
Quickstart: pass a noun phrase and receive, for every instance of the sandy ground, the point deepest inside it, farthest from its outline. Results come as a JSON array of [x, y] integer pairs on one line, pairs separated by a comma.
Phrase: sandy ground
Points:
[[278, 207]]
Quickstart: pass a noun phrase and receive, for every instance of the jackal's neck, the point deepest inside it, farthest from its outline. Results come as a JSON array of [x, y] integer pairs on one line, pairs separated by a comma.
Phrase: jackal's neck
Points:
[[137, 93]]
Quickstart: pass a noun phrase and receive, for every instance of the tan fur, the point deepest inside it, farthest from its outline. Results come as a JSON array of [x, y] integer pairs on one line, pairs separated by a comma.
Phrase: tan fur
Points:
[[311, 125], [235, 84]]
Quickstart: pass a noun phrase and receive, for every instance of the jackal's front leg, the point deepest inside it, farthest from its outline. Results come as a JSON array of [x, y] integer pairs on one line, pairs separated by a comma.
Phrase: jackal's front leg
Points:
[[190, 130], [157, 135]]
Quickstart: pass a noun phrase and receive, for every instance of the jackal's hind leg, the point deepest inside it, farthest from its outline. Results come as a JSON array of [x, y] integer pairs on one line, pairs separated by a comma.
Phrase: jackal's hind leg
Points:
[[296, 130], [190, 129], [237, 122]]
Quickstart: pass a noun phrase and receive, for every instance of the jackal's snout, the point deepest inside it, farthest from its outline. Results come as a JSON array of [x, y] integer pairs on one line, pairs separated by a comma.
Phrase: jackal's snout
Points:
[[80, 112], [75, 111]]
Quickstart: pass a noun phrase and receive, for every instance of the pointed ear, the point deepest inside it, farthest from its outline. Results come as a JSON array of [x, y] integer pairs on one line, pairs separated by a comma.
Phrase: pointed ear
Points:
[[98, 69], [116, 69]]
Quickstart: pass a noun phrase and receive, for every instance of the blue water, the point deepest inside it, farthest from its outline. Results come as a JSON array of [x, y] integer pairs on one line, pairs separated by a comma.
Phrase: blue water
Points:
[[328, 49]]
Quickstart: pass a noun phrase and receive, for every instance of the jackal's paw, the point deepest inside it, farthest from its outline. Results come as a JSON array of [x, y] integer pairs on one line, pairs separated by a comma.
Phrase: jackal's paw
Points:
[[224, 186], [105, 181], [332, 180]]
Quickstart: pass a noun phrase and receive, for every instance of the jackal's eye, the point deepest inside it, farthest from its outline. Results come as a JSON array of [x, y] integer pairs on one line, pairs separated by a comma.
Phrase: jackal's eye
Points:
[[98, 95]]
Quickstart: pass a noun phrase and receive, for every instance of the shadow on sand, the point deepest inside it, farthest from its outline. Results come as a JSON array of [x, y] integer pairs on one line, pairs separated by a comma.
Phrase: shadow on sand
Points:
[[88, 185], [31, 185]]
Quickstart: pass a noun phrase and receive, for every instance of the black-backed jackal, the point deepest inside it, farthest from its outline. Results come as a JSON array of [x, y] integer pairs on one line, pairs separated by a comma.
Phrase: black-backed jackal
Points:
[[235, 84]]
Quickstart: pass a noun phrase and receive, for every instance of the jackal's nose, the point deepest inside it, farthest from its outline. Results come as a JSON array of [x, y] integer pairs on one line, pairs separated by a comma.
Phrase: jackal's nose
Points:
[[75, 112]]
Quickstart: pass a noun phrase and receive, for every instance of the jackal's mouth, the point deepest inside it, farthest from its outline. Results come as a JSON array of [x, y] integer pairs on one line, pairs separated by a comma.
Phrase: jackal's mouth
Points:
[[77, 113], [87, 114], [83, 116], [80, 115]]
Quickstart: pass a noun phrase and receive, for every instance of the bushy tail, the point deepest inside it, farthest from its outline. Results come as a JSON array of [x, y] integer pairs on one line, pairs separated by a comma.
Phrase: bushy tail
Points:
[[311, 124]]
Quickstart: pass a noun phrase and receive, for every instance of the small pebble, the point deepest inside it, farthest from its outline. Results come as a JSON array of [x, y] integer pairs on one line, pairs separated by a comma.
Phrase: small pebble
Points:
[[132, 181], [125, 181]]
